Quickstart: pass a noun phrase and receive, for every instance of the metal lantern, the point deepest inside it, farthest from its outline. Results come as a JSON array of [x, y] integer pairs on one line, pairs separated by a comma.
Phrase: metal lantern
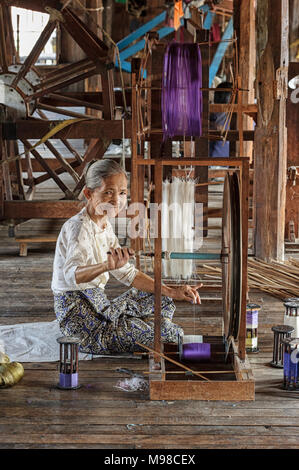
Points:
[[280, 332], [252, 311], [68, 364], [290, 363]]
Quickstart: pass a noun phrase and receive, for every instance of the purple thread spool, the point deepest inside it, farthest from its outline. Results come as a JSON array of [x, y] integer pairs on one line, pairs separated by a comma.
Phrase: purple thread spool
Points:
[[280, 332], [290, 364], [181, 98], [68, 364], [252, 311], [196, 352]]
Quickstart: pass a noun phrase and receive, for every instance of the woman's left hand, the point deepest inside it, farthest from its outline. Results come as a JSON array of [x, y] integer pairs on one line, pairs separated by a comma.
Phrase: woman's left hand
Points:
[[186, 292]]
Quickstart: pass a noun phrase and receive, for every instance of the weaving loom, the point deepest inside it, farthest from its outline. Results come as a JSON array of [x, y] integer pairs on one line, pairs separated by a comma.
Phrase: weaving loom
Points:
[[198, 367]]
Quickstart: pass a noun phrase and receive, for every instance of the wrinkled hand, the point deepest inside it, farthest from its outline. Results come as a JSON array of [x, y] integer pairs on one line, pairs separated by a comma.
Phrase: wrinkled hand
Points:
[[188, 293], [118, 257]]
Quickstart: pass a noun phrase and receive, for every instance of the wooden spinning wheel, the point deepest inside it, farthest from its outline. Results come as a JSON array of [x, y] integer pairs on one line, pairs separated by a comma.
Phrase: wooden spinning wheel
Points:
[[25, 91], [23, 88], [231, 255]]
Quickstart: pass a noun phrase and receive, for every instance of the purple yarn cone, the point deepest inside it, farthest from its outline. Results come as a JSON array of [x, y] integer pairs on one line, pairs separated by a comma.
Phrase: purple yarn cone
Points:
[[181, 90], [196, 352]]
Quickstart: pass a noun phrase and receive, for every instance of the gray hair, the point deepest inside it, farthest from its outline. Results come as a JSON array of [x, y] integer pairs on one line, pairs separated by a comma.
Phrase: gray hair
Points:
[[96, 171]]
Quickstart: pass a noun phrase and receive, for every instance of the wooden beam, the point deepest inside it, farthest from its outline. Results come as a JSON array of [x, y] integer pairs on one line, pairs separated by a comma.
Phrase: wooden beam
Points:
[[271, 132], [41, 209], [232, 136], [88, 129], [89, 42], [88, 98]]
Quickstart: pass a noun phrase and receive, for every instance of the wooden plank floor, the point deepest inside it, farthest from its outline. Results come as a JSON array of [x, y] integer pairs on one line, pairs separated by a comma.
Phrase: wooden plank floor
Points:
[[35, 414]]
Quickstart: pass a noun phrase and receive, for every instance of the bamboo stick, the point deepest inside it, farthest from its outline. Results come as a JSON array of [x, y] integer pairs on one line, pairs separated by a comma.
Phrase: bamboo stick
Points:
[[173, 361]]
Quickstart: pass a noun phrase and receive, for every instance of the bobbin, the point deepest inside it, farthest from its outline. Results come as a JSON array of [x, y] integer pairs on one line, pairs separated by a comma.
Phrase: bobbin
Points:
[[290, 364], [291, 315], [291, 299], [252, 310], [280, 332], [191, 348], [68, 365], [292, 308]]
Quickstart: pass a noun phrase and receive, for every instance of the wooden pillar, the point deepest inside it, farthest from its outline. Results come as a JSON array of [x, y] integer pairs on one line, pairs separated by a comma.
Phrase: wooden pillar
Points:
[[134, 150], [202, 144], [294, 29], [271, 132], [158, 261], [292, 190], [244, 25]]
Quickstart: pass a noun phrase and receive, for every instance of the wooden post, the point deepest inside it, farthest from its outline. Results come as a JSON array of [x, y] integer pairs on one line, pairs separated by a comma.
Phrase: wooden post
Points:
[[292, 190], [244, 25], [202, 144], [134, 153], [271, 132], [158, 258]]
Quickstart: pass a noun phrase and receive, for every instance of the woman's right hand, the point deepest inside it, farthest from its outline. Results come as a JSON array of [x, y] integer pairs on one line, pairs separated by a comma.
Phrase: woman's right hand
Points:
[[116, 258]]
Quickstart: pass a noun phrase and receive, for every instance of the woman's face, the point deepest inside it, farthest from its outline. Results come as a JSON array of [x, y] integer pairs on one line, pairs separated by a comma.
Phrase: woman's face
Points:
[[109, 198]]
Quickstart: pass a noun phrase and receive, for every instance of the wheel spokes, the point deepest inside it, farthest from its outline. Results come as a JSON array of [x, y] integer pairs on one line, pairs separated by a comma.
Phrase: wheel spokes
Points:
[[36, 51]]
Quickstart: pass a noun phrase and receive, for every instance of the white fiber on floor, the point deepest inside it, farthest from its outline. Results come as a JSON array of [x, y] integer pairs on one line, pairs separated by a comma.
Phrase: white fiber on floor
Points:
[[32, 342]]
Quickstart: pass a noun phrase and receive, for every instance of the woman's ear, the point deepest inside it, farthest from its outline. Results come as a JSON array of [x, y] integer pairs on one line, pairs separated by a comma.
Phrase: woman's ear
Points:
[[87, 193]]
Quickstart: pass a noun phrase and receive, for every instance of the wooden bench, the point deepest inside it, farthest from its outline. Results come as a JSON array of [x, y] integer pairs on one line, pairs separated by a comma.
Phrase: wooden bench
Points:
[[23, 241]]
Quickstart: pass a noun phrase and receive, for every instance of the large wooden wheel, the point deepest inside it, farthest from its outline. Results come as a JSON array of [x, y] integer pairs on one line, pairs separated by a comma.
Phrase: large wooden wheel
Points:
[[231, 256], [24, 92]]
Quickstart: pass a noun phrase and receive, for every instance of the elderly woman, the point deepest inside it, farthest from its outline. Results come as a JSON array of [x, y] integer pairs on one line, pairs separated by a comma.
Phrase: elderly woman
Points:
[[87, 250]]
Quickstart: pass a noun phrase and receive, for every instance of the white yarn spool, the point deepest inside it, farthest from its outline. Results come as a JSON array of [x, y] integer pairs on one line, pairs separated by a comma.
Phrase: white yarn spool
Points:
[[294, 322], [291, 317], [177, 225], [187, 339]]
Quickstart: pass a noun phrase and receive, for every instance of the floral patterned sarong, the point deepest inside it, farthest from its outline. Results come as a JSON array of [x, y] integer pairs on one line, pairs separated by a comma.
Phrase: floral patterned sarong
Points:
[[106, 327]]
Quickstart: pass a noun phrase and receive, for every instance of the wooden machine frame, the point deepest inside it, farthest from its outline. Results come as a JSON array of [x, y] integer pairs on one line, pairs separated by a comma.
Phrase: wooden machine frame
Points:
[[42, 91], [168, 378]]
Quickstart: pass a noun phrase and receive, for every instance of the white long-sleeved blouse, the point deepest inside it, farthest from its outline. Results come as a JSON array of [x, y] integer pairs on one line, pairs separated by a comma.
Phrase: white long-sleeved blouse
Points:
[[81, 242]]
